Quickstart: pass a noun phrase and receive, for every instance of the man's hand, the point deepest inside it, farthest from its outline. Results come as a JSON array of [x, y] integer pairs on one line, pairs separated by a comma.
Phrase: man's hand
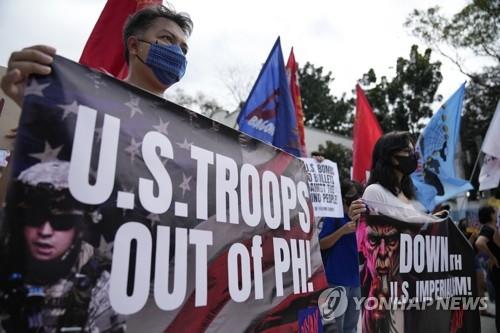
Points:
[[31, 60], [356, 208], [349, 227]]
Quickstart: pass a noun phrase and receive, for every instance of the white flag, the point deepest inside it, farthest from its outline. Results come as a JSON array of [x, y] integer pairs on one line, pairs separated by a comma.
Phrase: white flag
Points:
[[491, 142], [489, 177]]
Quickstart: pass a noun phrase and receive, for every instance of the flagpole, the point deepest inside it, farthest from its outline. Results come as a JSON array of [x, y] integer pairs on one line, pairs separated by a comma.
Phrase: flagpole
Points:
[[475, 165]]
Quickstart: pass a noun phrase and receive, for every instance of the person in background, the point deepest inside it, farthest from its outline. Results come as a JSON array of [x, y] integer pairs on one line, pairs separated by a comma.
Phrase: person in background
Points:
[[488, 242], [340, 256]]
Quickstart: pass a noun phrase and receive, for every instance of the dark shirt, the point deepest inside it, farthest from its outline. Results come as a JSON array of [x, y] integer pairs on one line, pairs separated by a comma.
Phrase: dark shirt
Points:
[[488, 232]]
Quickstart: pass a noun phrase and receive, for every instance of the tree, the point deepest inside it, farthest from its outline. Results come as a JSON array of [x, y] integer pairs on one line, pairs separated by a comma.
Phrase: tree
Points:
[[200, 103], [340, 155], [321, 109], [473, 30], [406, 101]]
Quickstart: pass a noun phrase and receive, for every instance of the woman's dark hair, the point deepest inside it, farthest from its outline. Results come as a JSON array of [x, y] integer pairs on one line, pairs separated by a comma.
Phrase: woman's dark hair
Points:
[[382, 171], [345, 188], [144, 18], [485, 214]]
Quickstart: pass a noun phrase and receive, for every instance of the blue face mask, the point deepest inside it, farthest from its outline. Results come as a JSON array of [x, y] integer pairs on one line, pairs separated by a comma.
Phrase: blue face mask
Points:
[[167, 62]]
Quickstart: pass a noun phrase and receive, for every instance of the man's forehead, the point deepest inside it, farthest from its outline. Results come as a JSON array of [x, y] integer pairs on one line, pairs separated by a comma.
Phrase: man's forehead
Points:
[[162, 24]]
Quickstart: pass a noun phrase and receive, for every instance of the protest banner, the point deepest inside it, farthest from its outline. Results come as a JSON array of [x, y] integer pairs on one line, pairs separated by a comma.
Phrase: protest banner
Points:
[[167, 220], [418, 273], [324, 186], [9, 117]]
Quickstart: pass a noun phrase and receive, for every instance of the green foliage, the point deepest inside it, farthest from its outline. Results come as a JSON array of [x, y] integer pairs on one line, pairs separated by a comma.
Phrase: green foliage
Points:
[[321, 109], [404, 102], [340, 155]]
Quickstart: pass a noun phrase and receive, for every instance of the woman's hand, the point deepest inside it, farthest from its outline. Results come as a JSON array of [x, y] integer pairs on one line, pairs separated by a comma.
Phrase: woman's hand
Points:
[[356, 208]]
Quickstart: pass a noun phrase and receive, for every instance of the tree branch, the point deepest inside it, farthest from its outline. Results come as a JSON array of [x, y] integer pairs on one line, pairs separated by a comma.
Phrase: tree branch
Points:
[[473, 77]]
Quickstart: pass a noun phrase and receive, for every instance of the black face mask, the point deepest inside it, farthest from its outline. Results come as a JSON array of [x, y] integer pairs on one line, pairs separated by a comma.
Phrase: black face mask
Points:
[[407, 164]]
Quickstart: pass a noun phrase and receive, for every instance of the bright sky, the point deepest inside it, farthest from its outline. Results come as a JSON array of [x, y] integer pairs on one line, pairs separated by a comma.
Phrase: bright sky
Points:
[[345, 37]]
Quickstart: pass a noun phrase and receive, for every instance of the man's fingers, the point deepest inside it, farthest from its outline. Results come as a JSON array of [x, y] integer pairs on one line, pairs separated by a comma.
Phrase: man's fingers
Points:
[[28, 67], [9, 81], [30, 55], [43, 48]]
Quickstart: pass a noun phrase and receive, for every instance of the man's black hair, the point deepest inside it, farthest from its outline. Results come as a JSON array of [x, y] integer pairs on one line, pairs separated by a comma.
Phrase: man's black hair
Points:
[[316, 153], [346, 185], [383, 171], [485, 214], [144, 18]]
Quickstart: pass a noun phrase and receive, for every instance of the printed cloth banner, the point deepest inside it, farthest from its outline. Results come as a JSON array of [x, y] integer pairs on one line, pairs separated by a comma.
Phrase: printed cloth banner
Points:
[[435, 179], [418, 273], [489, 176], [126, 209], [269, 112], [292, 70], [366, 133], [324, 187], [491, 142]]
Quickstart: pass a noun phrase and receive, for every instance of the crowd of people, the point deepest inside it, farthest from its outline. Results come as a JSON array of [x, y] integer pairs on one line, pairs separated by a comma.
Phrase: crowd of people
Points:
[[49, 227]]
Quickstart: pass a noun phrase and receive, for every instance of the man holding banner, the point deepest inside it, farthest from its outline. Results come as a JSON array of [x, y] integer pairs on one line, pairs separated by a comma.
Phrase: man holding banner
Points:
[[212, 230], [155, 40]]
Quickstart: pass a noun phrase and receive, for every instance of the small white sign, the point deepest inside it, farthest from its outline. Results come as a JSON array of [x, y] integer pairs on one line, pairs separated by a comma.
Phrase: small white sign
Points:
[[324, 187]]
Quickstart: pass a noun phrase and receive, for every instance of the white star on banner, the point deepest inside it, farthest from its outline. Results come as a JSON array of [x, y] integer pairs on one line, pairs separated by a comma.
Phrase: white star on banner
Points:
[[185, 184], [154, 219], [35, 89], [96, 79], [69, 108], [133, 104], [133, 149], [48, 154], [162, 127], [185, 145]]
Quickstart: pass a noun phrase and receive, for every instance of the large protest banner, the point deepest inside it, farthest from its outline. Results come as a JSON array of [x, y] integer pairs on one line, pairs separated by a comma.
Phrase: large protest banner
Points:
[[128, 211], [418, 273]]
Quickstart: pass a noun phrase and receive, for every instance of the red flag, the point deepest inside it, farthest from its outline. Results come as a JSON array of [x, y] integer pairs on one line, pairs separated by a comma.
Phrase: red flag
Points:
[[292, 69], [104, 49], [366, 133]]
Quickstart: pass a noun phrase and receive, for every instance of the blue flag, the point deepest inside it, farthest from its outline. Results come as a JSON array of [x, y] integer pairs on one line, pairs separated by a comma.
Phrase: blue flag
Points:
[[435, 178], [268, 113]]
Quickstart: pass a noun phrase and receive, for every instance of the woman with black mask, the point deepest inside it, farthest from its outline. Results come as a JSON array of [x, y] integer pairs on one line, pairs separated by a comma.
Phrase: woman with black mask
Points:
[[394, 160]]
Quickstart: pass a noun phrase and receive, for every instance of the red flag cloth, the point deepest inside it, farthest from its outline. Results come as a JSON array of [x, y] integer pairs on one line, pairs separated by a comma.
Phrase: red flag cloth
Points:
[[292, 69], [104, 49], [366, 133]]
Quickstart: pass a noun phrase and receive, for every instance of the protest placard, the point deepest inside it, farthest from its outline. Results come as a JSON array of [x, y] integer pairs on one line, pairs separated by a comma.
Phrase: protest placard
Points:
[[324, 186], [167, 220]]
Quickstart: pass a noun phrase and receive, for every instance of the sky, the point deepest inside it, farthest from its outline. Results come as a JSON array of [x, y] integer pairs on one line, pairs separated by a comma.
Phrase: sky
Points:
[[232, 39]]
